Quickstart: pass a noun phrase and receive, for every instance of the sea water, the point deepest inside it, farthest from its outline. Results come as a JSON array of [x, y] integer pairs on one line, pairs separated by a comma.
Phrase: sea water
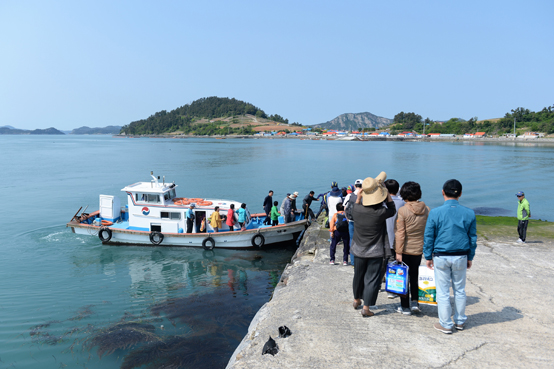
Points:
[[66, 300]]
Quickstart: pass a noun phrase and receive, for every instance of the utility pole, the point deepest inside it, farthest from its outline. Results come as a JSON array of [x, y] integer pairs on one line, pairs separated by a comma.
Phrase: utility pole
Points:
[[514, 127]]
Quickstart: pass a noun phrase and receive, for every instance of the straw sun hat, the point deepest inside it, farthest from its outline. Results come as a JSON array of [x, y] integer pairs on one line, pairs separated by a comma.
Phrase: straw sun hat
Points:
[[374, 190]]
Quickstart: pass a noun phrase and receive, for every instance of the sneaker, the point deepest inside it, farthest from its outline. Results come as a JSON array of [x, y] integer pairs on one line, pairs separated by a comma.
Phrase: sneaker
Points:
[[415, 307], [459, 327], [404, 311], [391, 295], [519, 240], [344, 263], [440, 328], [332, 262]]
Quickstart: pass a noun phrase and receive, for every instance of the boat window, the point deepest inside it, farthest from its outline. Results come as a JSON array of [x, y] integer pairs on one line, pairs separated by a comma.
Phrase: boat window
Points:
[[172, 193], [169, 215], [166, 196], [153, 198]]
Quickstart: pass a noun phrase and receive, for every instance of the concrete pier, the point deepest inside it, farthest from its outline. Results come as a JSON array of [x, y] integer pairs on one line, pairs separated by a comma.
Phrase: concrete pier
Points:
[[510, 309]]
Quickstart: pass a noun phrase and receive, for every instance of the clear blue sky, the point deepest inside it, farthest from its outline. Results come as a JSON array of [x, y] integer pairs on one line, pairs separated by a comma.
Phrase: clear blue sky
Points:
[[68, 64]]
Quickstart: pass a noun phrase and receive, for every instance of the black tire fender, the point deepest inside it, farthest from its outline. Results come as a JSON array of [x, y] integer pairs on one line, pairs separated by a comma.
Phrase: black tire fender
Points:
[[156, 237], [258, 240], [208, 243], [102, 231]]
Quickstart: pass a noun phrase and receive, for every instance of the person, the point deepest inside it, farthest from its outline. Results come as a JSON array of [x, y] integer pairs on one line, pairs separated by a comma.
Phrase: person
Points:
[[308, 213], [339, 231], [523, 215], [393, 187], [293, 208], [409, 230], [334, 197], [370, 240], [450, 241], [348, 206], [275, 214], [242, 216], [215, 219], [230, 221], [323, 205], [286, 209], [267, 207], [283, 205], [190, 217]]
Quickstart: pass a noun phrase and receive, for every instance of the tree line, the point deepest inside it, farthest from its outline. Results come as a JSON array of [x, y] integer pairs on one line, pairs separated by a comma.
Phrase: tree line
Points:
[[542, 121]]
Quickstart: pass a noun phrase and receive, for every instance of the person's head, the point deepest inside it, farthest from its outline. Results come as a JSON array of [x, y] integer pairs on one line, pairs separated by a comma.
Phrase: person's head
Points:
[[232, 206], [192, 206], [216, 208], [349, 189], [243, 205], [340, 207], [452, 189], [312, 193], [270, 192], [520, 195], [358, 183], [410, 191], [334, 184], [343, 191], [392, 186], [295, 195], [275, 203], [374, 191]]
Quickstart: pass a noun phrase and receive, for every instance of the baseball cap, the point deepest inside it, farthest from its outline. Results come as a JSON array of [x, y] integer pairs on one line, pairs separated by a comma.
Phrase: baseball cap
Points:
[[358, 183], [452, 188], [520, 193], [334, 184]]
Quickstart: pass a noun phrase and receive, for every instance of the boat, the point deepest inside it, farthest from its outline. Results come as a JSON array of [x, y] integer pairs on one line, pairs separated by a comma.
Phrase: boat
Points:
[[154, 215]]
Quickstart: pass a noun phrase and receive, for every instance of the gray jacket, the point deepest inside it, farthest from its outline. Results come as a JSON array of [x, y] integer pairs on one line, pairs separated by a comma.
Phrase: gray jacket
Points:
[[370, 233]]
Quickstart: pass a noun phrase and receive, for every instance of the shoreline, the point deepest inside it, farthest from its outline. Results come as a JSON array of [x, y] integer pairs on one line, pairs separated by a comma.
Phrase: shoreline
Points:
[[537, 141], [506, 325]]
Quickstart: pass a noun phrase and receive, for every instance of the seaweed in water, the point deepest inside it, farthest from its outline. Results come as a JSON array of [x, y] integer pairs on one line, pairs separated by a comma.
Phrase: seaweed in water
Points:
[[121, 336], [180, 352], [83, 312]]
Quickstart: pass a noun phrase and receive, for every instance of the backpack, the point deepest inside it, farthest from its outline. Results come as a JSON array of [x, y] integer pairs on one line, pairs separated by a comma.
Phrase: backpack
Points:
[[342, 223], [350, 206]]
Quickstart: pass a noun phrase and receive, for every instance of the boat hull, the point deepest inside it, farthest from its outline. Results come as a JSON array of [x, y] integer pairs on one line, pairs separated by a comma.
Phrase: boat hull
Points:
[[225, 240]]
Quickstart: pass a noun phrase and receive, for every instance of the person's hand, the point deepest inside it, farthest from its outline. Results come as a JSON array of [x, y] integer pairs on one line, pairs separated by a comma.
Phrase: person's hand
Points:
[[430, 264], [399, 257], [469, 263], [332, 234]]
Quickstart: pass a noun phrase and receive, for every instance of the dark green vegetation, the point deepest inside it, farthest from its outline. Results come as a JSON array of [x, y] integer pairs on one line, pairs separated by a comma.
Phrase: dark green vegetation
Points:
[[526, 120], [109, 130], [14, 131], [506, 227], [185, 119]]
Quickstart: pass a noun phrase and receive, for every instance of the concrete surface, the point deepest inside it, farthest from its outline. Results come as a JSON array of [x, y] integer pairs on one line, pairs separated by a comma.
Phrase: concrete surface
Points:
[[509, 308]]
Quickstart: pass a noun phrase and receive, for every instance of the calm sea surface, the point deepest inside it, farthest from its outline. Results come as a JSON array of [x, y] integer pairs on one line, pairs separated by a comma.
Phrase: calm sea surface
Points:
[[69, 301]]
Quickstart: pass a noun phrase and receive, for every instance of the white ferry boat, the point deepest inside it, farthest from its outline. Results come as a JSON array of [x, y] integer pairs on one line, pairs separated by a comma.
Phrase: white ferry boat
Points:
[[154, 215]]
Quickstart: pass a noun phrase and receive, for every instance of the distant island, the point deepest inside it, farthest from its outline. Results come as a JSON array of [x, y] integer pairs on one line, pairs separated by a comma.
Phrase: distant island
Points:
[[109, 130], [355, 122], [9, 130], [210, 116]]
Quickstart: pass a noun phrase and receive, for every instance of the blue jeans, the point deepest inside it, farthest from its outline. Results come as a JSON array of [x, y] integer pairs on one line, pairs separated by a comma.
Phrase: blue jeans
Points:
[[451, 270], [351, 231]]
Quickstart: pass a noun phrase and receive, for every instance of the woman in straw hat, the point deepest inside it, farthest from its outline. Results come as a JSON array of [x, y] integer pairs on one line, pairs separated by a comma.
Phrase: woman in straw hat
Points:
[[370, 243]]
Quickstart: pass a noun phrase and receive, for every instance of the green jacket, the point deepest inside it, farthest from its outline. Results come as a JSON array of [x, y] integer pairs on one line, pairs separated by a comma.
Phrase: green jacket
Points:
[[523, 210], [274, 213]]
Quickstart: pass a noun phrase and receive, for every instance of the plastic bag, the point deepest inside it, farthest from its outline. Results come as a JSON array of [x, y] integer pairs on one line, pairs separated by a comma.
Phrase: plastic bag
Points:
[[426, 286], [397, 278]]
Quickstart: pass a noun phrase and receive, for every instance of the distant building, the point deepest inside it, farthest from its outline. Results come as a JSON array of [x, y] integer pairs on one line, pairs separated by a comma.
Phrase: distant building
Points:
[[480, 135]]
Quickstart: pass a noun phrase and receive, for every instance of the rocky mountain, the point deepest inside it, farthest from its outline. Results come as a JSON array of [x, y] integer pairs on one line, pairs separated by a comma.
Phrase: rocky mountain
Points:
[[352, 122], [109, 130]]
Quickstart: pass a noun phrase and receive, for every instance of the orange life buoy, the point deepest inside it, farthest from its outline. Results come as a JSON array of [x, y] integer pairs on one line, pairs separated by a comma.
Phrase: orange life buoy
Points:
[[205, 203], [106, 223], [196, 200], [177, 199]]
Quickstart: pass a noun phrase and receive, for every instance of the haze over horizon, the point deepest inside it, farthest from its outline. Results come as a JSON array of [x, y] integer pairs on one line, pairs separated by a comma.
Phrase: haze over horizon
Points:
[[71, 64]]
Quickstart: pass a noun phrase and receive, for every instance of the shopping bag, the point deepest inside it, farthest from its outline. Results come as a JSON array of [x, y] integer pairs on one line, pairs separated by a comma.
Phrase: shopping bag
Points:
[[397, 278], [426, 286]]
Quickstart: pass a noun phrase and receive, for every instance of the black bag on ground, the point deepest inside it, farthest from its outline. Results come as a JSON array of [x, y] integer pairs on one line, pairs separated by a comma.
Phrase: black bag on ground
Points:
[[284, 331], [270, 347]]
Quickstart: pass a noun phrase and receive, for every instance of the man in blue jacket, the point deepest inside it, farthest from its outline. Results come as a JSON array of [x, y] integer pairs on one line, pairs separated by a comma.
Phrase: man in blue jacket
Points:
[[449, 247]]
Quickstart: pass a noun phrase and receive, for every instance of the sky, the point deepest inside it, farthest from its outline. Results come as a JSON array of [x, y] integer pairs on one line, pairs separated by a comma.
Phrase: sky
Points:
[[67, 64]]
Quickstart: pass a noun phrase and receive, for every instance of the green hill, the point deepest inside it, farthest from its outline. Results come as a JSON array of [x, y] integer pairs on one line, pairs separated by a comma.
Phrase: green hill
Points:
[[109, 130], [196, 118], [14, 131]]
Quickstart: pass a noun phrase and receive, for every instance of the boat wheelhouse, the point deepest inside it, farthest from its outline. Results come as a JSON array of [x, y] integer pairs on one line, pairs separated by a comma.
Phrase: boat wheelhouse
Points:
[[154, 215]]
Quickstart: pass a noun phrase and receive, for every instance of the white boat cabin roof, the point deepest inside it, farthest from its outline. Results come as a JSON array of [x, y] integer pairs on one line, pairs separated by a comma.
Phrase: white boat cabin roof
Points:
[[149, 187]]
